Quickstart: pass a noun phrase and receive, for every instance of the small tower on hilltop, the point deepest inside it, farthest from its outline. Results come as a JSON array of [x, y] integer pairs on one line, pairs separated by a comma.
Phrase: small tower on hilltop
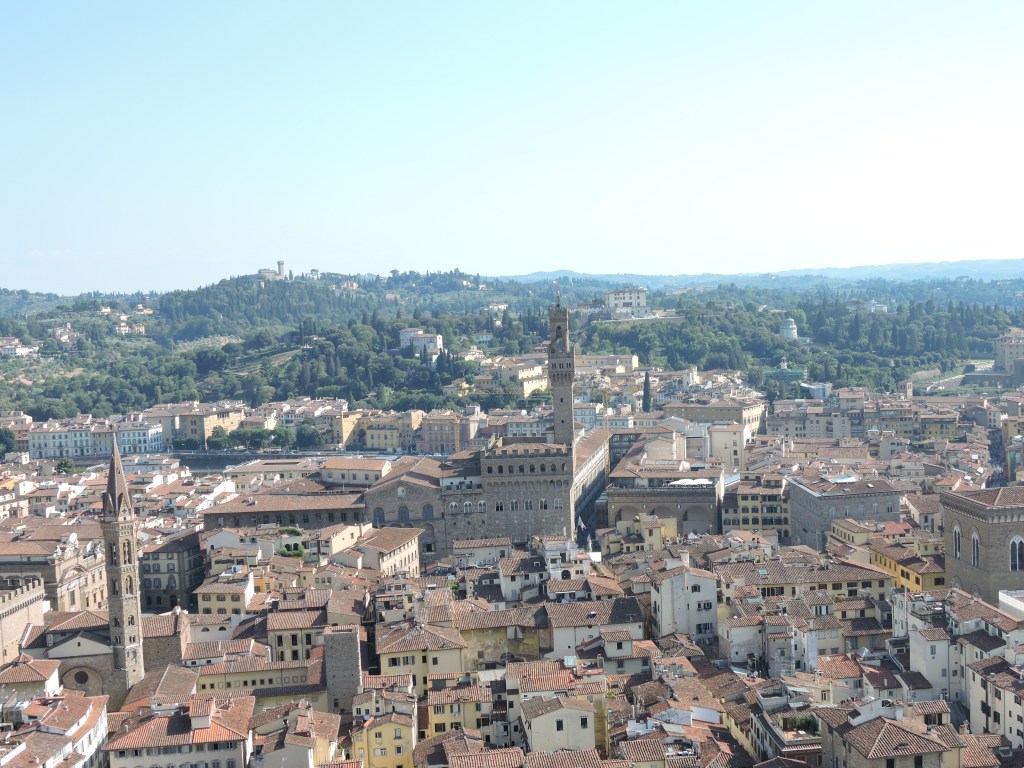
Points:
[[121, 535], [562, 374]]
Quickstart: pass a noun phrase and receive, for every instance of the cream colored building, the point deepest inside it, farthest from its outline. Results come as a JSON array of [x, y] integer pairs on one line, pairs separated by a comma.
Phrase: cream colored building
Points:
[[204, 728], [385, 741], [551, 724], [420, 650]]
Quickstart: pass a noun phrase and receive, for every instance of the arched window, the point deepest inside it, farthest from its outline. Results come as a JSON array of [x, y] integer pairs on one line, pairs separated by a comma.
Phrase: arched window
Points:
[[481, 507], [467, 507], [378, 517], [428, 512], [453, 508], [403, 514], [528, 505], [1017, 554], [975, 550], [956, 542]]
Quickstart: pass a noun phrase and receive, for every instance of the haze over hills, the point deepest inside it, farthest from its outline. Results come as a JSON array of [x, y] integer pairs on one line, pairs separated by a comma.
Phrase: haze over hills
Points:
[[14, 300], [982, 269]]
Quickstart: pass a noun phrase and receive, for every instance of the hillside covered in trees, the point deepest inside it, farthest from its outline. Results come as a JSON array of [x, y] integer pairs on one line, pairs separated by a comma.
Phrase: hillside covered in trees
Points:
[[332, 335]]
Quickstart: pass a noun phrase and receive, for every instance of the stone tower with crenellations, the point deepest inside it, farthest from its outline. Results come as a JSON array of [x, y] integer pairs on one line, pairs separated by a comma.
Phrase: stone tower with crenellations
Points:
[[562, 375], [121, 535]]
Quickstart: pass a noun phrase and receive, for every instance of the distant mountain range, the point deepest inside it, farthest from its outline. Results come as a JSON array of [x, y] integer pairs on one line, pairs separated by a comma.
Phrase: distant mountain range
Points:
[[984, 269]]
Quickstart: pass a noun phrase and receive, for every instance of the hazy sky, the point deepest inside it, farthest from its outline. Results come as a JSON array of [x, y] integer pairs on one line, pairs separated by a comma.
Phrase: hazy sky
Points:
[[162, 145]]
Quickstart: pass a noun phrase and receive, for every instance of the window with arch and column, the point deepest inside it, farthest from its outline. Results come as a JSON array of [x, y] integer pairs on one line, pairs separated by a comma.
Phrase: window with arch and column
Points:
[[975, 550], [956, 542], [1017, 554]]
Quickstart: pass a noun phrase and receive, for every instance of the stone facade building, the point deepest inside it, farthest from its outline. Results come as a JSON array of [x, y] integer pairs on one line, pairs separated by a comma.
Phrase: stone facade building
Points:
[[343, 666], [171, 569], [19, 607], [984, 540], [515, 487], [71, 570], [409, 496], [814, 502]]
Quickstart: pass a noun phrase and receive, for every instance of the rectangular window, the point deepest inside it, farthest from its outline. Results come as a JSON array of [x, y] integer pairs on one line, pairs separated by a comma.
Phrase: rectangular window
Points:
[[584, 723], [559, 725]]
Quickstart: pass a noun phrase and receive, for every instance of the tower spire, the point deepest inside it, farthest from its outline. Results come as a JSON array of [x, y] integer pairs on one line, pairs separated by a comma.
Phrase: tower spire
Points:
[[116, 499]]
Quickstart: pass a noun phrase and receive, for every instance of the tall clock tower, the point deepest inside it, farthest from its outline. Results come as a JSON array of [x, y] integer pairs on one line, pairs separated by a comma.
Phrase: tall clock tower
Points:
[[562, 374]]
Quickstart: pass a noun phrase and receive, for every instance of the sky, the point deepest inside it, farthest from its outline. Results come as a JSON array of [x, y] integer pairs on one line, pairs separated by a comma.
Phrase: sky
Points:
[[153, 146]]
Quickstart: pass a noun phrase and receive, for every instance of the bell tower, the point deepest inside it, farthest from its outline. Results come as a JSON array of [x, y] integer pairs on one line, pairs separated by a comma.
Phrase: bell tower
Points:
[[121, 536], [561, 374]]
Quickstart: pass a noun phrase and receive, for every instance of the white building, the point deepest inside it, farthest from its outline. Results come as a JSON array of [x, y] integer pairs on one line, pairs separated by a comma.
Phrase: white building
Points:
[[85, 437], [61, 730], [431, 343], [11, 346], [626, 301], [685, 600]]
